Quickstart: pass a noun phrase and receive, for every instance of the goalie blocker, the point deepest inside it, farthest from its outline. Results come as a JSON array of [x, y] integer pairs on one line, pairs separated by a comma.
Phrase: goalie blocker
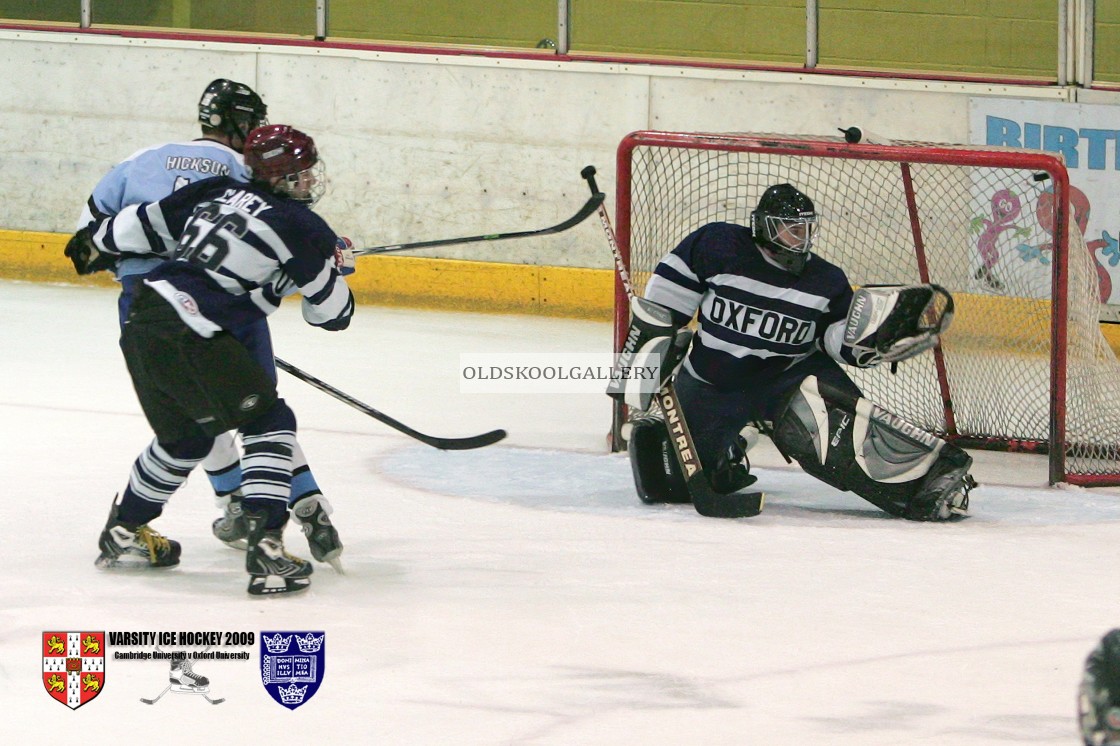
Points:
[[851, 444]]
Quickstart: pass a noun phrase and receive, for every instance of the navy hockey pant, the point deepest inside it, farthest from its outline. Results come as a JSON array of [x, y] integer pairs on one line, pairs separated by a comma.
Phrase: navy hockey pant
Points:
[[716, 416]]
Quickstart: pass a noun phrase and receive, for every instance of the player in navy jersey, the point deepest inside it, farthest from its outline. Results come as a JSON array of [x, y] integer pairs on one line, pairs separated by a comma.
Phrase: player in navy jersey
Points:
[[236, 249], [227, 112], [771, 316], [764, 310]]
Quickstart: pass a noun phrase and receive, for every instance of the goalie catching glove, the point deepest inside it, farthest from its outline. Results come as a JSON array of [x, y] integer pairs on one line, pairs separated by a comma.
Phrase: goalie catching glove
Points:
[[890, 323], [653, 342]]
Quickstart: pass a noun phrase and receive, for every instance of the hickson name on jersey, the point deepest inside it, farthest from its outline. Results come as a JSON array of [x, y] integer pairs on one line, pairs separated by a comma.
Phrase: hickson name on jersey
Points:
[[237, 251], [153, 173], [755, 319]]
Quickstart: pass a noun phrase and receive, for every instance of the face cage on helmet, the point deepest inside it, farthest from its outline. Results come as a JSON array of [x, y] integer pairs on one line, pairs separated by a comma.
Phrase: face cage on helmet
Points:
[[773, 227], [289, 185]]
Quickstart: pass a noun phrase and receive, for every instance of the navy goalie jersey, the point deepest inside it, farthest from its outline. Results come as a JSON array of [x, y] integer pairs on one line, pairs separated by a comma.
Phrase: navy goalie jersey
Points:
[[236, 251], [755, 318]]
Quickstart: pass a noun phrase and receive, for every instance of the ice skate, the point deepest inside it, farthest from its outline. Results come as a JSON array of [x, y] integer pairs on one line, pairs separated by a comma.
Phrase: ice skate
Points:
[[131, 546], [271, 569], [312, 515], [231, 528], [184, 679]]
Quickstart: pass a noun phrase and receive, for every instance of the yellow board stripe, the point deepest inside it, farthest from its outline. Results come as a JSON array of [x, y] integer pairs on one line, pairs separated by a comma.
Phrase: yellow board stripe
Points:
[[452, 284]]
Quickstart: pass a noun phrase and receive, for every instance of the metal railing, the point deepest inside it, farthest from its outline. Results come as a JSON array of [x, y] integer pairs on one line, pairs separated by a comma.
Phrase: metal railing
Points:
[[1074, 64]]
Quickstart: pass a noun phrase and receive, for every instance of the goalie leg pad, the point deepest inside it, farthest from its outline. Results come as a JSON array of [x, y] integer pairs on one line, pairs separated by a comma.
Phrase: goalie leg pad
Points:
[[851, 444], [652, 341], [657, 475]]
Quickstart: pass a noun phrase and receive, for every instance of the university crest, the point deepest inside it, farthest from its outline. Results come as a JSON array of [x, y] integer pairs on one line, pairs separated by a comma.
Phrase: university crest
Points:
[[73, 666], [292, 665]]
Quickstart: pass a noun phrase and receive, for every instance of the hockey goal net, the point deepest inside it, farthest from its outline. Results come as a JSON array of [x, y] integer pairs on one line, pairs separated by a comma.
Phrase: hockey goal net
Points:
[[1024, 366]]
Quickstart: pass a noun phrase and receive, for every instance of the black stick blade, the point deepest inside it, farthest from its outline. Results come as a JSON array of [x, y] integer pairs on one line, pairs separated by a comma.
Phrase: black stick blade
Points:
[[464, 444], [714, 505]]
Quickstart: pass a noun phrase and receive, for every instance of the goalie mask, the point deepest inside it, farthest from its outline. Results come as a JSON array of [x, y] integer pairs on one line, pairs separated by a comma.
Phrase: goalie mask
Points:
[[286, 160], [783, 225], [232, 108]]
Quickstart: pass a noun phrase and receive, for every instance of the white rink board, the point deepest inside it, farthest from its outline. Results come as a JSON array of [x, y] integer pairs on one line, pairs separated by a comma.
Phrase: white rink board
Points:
[[419, 146]]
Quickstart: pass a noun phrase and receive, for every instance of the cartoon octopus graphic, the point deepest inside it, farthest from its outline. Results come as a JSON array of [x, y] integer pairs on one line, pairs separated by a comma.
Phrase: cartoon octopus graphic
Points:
[[1006, 207], [1080, 204]]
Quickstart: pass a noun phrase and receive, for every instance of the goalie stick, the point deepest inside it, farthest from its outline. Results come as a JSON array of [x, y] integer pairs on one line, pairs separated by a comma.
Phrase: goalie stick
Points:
[[584, 212], [705, 500], [444, 444]]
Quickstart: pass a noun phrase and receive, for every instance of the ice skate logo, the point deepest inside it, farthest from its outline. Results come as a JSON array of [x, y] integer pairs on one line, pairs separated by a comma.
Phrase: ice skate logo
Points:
[[183, 679], [291, 677], [277, 644], [73, 666], [249, 402]]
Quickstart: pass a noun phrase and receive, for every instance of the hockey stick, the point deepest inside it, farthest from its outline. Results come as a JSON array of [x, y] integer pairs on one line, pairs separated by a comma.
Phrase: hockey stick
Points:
[[155, 699], [707, 501], [589, 207], [445, 444]]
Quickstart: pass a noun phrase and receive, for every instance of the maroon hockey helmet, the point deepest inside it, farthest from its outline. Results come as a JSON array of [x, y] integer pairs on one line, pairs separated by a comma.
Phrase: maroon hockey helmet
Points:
[[279, 151]]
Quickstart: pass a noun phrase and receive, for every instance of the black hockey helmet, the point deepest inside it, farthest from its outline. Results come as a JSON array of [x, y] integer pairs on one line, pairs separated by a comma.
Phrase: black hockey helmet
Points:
[[287, 161], [232, 108], [1099, 703], [783, 224]]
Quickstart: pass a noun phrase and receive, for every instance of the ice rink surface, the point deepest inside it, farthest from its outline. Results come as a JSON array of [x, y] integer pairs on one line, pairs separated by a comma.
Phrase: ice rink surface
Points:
[[521, 594]]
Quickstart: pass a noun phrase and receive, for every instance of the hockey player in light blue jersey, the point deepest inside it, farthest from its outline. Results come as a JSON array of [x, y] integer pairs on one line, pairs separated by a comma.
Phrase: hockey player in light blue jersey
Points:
[[227, 112]]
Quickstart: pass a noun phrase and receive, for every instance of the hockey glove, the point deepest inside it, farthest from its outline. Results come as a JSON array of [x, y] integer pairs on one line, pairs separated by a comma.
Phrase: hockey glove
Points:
[[344, 256], [890, 323], [85, 256]]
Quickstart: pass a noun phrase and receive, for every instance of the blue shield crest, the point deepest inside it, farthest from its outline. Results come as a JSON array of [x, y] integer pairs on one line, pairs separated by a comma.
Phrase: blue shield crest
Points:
[[292, 665]]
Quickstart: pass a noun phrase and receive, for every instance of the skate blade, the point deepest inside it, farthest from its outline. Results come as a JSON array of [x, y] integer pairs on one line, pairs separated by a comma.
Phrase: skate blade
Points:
[[239, 544], [274, 585], [130, 564], [187, 689], [336, 563]]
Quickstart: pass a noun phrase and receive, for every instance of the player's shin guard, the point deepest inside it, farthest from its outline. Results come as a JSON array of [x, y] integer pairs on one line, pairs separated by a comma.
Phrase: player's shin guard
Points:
[[852, 444], [156, 474], [223, 465], [266, 467], [311, 511]]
